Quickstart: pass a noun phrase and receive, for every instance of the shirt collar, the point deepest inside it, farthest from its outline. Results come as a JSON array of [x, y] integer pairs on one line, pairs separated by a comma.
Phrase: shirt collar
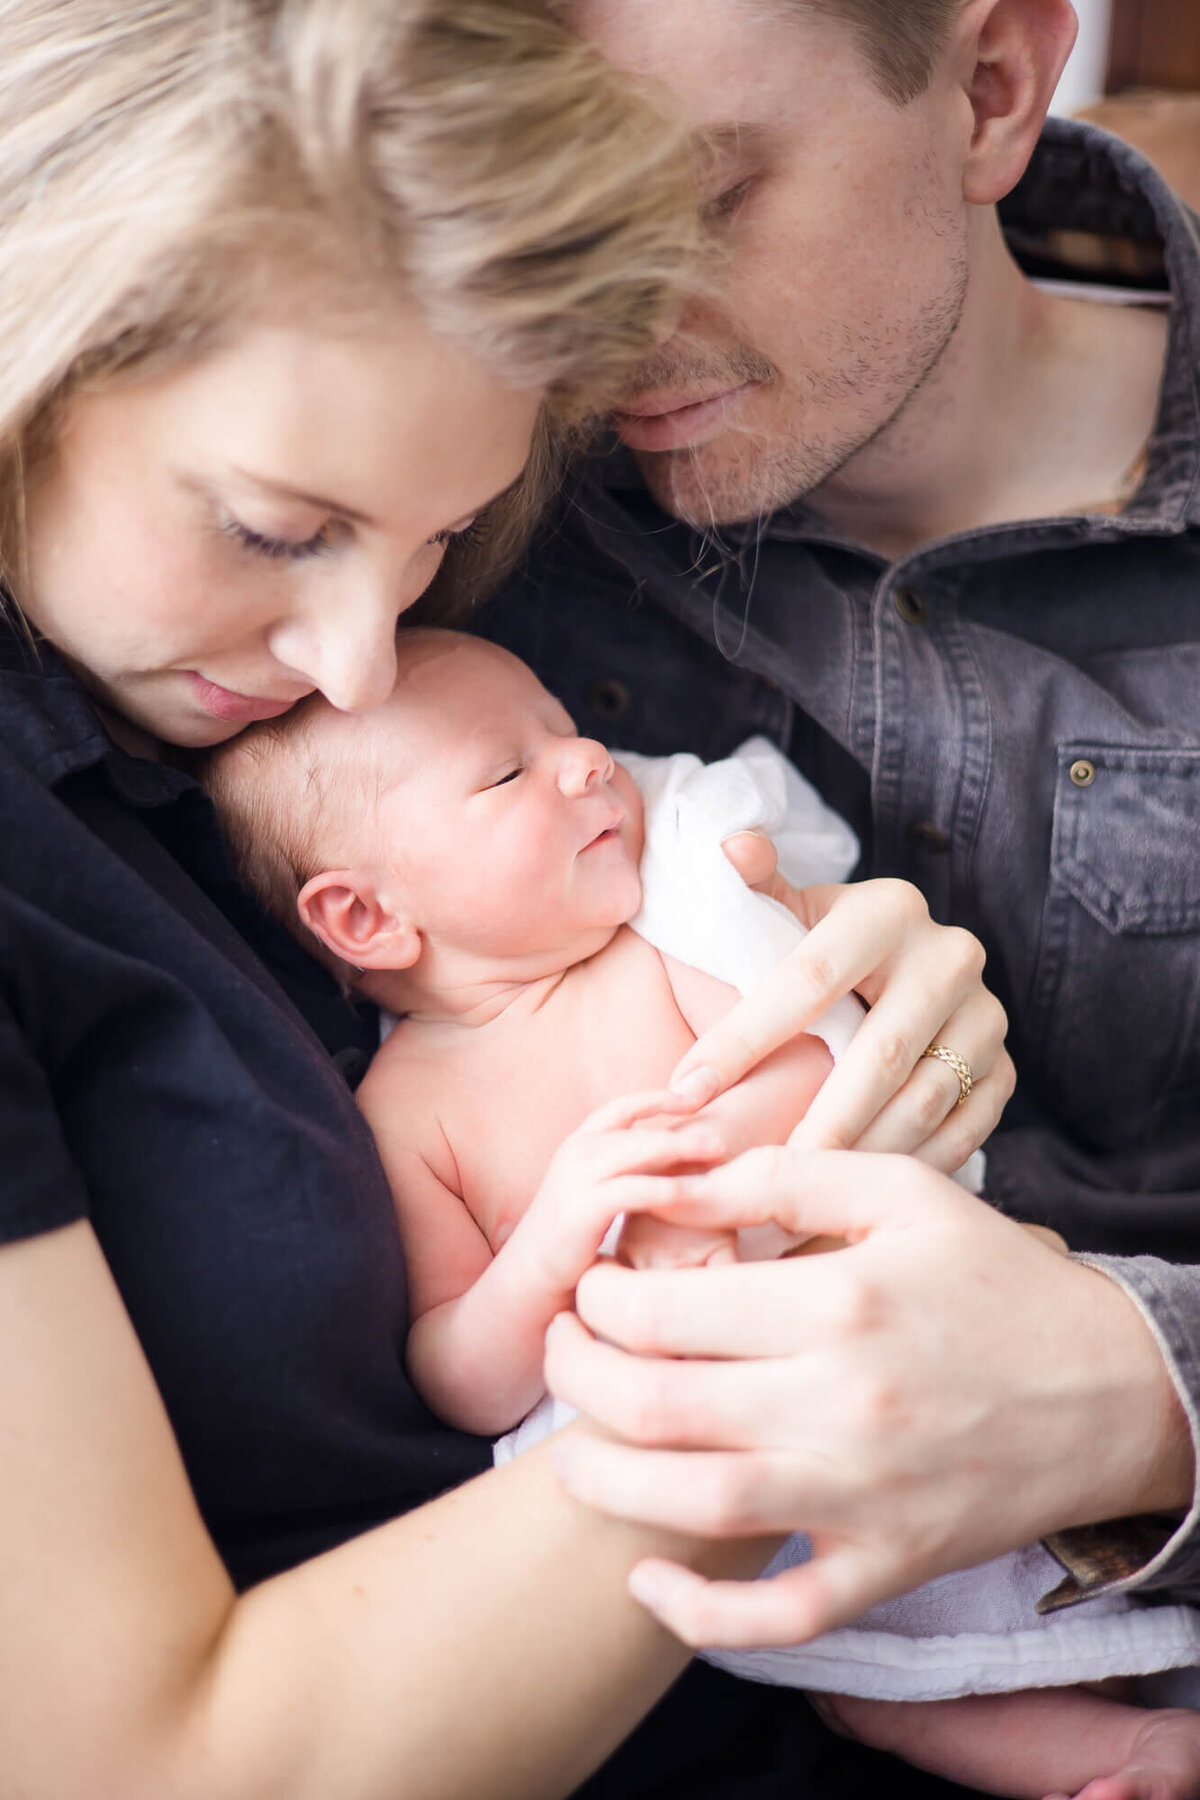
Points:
[[49, 724], [1084, 184]]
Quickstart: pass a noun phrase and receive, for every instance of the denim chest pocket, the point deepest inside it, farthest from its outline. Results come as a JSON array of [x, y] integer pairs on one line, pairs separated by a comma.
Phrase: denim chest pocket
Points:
[[1115, 1008]]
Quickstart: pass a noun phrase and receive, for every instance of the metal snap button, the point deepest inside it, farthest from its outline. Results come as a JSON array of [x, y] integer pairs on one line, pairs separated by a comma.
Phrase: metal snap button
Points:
[[1082, 772], [909, 605], [608, 699]]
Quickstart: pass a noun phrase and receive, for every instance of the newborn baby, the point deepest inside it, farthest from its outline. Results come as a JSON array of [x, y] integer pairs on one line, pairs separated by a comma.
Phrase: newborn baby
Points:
[[463, 858]]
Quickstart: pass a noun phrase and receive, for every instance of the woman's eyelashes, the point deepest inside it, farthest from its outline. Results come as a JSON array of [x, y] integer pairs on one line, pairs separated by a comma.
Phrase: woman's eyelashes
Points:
[[278, 549], [469, 532]]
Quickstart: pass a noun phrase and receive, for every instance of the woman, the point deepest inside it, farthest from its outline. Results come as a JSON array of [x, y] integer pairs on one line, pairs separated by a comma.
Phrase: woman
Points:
[[286, 287]]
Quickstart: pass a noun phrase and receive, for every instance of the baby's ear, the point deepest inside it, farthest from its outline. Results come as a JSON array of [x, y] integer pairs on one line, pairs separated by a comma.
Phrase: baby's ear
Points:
[[342, 908]]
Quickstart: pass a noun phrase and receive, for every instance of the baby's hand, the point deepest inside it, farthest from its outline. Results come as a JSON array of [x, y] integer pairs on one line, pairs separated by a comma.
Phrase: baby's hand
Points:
[[650, 1243], [615, 1162]]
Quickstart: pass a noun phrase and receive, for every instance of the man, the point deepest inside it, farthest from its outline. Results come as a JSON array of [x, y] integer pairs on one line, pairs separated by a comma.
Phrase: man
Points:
[[937, 530]]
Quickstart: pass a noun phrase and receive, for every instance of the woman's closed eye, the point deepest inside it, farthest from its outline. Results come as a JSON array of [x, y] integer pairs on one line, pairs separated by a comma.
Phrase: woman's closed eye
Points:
[[469, 532], [279, 549]]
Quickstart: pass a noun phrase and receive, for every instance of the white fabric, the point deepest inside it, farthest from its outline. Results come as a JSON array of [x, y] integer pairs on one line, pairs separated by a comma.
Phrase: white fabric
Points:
[[972, 1632], [695, 905], [976, 1632]]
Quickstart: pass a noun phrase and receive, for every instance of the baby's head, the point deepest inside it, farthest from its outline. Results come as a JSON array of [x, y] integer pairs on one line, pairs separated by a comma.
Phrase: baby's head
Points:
[[463, 827]]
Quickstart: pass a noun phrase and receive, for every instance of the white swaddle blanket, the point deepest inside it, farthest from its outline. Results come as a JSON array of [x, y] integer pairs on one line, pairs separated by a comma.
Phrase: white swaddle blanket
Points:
[[972, 1632]]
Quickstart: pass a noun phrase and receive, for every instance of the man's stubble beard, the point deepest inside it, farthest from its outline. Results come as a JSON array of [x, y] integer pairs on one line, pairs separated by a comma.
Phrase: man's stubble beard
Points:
[[743, 475]]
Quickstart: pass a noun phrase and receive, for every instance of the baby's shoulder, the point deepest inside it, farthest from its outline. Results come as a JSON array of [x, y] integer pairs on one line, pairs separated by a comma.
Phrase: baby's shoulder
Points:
[[401, 1095]]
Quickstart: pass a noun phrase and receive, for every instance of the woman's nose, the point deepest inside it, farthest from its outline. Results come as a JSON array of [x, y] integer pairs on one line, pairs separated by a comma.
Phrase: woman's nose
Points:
[[583, 764], [347, 651]]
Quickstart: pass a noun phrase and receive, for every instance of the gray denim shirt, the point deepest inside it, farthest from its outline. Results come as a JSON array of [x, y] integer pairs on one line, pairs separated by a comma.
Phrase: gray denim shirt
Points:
[[1010, 718]]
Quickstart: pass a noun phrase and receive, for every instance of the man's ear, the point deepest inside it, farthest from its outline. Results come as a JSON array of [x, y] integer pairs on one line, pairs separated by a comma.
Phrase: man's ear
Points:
[[344, 910], [1012, 53]]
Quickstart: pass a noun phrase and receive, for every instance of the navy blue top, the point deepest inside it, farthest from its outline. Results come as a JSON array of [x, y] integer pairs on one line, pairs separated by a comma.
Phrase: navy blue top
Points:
[[156, 1079]]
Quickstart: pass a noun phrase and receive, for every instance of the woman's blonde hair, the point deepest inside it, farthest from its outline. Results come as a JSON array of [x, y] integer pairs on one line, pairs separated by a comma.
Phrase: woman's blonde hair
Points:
[[168, 167]]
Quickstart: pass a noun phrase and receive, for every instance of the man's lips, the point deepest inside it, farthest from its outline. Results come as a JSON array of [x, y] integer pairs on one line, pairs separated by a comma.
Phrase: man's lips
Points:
[[242, 709], [661, 423]]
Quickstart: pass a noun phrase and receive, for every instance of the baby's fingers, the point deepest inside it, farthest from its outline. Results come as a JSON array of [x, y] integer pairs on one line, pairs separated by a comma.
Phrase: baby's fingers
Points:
[[649, 1151], [630, 1109]]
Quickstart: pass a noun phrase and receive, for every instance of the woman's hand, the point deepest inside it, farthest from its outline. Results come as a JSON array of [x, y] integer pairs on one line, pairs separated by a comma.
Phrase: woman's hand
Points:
[[923, 984], [943, 1390]]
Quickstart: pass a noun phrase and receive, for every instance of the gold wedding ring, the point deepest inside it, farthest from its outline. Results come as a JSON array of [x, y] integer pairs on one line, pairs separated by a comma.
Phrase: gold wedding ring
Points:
[[959, 1064]]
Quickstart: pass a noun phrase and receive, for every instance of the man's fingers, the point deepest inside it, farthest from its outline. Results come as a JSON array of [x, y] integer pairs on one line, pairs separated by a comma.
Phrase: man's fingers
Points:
[[790, 1608], [708, 1494], [808, 1193], [725, 1405]]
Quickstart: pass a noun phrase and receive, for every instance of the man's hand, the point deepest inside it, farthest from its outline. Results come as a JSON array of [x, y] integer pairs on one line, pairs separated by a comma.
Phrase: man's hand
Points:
[[923, 984], [942, 1390]]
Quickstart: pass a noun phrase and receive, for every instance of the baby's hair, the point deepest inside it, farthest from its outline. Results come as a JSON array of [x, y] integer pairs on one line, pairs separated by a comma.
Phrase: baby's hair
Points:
[[173, 169], [272, 789], [281, 787]]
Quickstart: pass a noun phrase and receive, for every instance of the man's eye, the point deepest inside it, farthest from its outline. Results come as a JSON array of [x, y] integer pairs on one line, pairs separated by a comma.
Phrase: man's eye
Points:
[[725, 204], [277, 548]]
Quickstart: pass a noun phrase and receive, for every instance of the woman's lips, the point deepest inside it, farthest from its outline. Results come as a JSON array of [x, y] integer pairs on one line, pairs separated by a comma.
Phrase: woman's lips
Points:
[[242, 709], [673, 427]]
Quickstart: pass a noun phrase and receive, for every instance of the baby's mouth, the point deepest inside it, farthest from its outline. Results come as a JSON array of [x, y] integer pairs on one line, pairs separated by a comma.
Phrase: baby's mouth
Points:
[[610, 831]]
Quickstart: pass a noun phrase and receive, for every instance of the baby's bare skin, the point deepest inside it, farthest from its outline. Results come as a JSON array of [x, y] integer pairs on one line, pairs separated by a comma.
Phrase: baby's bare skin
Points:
[[484, 1108], [505, 1095]]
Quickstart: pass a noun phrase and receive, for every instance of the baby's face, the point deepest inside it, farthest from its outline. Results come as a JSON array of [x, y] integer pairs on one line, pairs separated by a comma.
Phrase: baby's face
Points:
[[504, 831]]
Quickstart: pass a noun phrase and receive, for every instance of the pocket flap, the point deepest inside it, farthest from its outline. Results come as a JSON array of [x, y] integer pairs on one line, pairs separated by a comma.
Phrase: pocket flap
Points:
[[1127, 836]]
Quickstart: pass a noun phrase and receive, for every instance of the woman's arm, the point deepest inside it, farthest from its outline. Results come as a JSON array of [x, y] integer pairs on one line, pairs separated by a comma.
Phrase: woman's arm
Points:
[[484, 1644]]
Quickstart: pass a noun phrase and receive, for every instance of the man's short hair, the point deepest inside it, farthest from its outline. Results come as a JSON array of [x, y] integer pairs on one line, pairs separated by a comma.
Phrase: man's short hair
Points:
[[901, 39]]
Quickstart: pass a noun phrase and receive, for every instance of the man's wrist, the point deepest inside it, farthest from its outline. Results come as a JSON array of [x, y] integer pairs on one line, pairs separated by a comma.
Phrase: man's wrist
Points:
[[1153, 1456]]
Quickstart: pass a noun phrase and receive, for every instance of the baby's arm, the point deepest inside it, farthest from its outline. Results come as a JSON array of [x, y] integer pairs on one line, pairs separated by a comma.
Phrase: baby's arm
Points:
[[479, 1320], [763, 1108]]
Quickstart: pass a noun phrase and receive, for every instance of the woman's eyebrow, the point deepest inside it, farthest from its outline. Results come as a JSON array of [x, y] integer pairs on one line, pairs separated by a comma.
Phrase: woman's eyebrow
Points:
[[317, 501]]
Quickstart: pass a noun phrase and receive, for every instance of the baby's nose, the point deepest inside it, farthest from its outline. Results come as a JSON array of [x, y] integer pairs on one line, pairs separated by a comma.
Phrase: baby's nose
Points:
[[585, 764]]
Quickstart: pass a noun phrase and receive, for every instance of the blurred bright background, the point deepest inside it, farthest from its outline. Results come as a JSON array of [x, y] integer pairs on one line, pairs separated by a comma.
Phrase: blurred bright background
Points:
[[1083, 78]]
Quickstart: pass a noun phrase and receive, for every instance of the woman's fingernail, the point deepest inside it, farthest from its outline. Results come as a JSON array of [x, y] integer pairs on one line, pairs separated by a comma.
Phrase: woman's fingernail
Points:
[[696, 1085]]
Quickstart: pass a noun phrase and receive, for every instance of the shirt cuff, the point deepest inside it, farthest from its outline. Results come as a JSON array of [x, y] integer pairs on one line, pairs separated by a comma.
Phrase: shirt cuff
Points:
[[1156, 1550]]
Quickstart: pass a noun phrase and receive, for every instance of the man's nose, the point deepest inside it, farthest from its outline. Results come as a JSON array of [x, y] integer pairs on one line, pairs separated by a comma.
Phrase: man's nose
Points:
[[583, 764]]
